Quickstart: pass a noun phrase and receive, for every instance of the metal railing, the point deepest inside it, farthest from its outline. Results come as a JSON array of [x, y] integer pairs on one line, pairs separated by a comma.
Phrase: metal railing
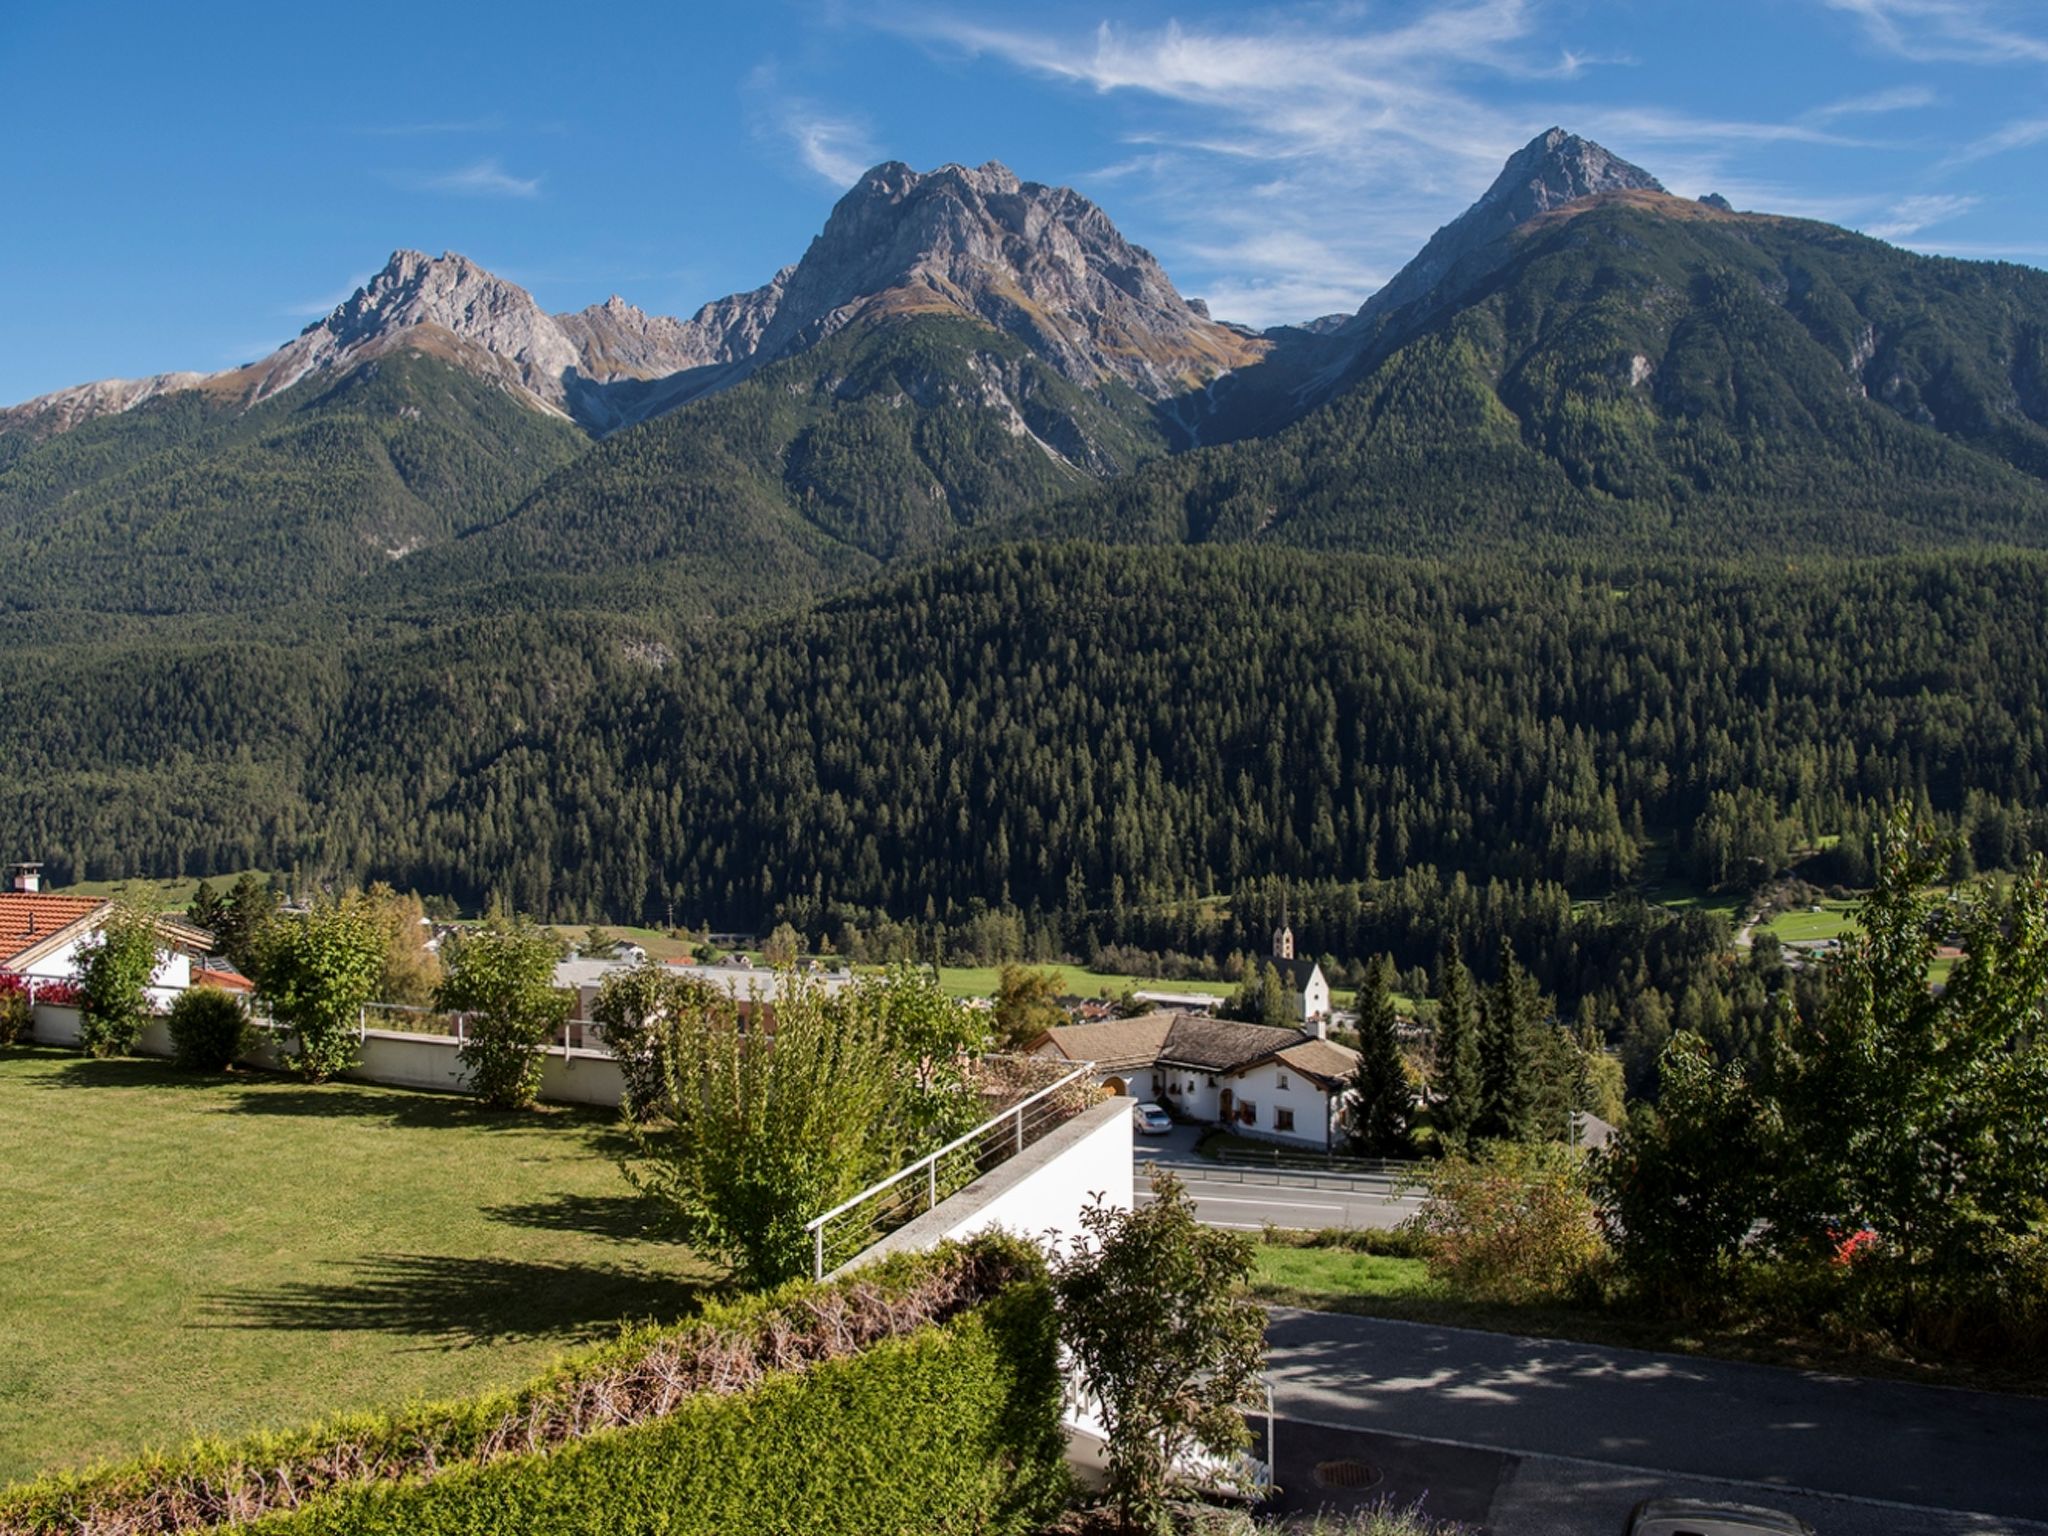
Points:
[[850, 1228], [576, 1037]]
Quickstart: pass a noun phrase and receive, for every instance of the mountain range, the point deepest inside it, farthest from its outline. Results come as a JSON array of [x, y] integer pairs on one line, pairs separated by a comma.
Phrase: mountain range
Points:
[[829, 598], [1580, 360]]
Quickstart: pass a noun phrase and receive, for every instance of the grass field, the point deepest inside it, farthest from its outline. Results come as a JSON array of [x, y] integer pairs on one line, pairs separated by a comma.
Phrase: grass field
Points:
[[1077, 980], [1317, 1276], [1834, 919], [172, 895], [184, 1254]]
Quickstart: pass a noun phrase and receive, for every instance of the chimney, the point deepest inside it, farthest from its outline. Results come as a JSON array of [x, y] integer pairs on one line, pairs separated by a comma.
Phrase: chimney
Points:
[[27, 879]]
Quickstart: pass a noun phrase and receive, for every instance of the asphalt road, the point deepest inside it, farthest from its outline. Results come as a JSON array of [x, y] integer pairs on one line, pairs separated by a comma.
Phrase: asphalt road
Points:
[[1560, 1439], [1247, 1198]]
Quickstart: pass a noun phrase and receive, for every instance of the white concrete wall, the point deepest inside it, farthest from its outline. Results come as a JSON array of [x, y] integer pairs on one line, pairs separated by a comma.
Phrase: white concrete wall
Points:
[[391, 1058], [173, 973], [51, 1025], [1261, 1086], [1039, 1193]]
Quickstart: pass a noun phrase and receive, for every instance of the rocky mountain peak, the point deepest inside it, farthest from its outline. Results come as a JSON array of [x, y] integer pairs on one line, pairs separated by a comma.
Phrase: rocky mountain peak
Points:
[[1555, 168], [1551, 170], [1043, 263]]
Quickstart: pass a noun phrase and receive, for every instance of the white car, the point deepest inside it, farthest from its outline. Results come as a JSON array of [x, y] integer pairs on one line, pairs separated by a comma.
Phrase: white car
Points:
[[1151, 1120], [1711, 1517]]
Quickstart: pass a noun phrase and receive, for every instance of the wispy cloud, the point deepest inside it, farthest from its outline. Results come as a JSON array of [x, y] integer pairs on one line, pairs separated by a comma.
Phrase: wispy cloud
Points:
[[2023, 134], [313, 309], [1904, 98], [485, 178], [1377, 132], [1909, 215], [1955, 31], [834, 146]]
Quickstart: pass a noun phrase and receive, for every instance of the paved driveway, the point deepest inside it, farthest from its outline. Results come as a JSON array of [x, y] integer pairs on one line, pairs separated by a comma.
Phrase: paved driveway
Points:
[[1588, 1430]]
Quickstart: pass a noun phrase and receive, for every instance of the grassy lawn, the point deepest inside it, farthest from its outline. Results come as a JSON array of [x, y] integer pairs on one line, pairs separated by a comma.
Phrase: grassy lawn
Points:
[[1325, 1273], [172, 895], [183, 1254], [1076, 980], [1834, 919]]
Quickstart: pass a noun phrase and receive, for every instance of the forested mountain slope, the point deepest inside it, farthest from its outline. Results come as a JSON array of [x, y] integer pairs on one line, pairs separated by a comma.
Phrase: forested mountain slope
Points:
[[1656, 376], [1073, 730], [185, 504]]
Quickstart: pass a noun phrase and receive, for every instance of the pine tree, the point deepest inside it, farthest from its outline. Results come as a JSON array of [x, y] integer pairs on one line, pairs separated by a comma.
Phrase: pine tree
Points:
[[1510, 1069], [1455, 1078], [1380, 1114]]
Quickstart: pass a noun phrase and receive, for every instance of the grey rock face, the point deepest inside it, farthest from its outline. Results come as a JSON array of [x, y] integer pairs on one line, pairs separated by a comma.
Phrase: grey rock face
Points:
[[1043, 263], [1551, 170]]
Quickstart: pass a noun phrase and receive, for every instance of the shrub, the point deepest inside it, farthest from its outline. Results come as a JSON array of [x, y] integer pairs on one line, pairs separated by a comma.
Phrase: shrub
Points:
[[15, 1008], [1157, 1312], [316, 969], [922, 1394], [630, 1007], [208, 1029], [115, 966], [503, 976], [1513, 1222]]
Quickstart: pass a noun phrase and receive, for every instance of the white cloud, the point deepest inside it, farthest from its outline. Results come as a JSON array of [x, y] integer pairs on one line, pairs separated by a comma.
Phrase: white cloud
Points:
[[1298, 157], [1903, 98], [486, 178], [2023, 134], [834, 146], [314, 309], [1909, 215], [1954, 31]]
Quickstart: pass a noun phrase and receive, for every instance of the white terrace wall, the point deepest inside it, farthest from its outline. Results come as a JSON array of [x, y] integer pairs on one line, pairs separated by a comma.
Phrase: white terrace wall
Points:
[[1040, 1192], [389, 1057]]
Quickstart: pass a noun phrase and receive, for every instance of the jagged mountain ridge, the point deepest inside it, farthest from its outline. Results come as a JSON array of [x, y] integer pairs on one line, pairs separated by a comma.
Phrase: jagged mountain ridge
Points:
[[1042, 263]]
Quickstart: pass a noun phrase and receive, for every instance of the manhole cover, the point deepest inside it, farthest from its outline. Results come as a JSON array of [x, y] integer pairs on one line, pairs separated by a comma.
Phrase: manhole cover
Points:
[[1348, 1474]]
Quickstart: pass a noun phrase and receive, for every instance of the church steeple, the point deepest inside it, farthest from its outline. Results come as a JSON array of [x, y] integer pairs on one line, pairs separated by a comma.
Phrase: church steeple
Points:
[[1283, 936]]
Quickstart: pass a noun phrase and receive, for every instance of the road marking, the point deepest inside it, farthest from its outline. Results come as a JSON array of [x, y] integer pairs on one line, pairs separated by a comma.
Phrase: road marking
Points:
[[1292, 1205], [1667, 1473]]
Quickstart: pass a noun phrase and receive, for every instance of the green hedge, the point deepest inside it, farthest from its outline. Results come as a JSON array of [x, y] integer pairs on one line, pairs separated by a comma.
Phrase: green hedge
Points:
[[949, 1426]]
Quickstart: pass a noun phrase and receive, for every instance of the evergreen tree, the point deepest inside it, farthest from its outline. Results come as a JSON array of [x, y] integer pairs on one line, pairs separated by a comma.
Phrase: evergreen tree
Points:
[[1454, 1079], [1380, 1115], [1511, 1065]]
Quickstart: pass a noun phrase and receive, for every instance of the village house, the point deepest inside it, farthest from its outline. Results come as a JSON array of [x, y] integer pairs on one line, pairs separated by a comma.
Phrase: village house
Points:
[[1284, 1085], [42, 933]]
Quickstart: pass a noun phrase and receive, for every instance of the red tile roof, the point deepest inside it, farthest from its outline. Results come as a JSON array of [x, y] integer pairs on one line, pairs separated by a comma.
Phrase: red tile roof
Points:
[[226, 980], [26, 920]]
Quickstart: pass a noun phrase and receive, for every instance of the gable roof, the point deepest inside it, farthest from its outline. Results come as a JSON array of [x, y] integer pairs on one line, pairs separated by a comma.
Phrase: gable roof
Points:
[[1113, 1044], [28, 921], [1297, 972], [1217, 1045], [1325, 1061]]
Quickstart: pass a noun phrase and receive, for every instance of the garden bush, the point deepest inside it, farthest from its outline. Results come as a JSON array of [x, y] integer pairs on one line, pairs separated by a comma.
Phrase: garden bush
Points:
[[208, 1029], [1512, 1222], [921, 1394], [15, 1008]]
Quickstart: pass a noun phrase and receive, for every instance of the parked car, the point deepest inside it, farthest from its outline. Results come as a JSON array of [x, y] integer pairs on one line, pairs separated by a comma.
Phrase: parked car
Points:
[[1151, 1120], [1711, 1517]]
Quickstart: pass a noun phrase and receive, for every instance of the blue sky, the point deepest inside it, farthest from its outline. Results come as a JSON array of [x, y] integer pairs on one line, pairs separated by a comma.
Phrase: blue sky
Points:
[[186, 186]]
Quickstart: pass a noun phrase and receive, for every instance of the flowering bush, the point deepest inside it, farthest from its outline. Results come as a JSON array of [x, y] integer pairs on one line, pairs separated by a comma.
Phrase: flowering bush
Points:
[[14, 1006]]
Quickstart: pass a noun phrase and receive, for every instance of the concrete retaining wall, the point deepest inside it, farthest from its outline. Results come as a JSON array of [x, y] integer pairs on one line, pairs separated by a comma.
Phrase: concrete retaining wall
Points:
[[389, 1057]]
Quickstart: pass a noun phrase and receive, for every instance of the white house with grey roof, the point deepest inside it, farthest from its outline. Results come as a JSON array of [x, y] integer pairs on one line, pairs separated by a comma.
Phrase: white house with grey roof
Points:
[[1284, 1085]]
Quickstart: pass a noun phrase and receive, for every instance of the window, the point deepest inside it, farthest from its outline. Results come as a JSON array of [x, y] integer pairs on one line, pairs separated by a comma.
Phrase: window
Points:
[[1282, 1084], [1283, 1119]]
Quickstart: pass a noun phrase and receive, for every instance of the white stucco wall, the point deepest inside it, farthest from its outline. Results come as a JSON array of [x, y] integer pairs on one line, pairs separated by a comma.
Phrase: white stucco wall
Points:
[[1261, 1086], [1040, 1192]]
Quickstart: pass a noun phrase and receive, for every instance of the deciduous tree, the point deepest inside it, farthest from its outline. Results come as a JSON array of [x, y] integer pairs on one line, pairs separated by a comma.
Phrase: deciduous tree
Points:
[[501, 974], [1156, 1310]]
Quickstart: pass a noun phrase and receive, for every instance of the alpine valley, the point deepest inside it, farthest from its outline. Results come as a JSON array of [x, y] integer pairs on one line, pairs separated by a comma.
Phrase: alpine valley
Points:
[[966, 573]]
